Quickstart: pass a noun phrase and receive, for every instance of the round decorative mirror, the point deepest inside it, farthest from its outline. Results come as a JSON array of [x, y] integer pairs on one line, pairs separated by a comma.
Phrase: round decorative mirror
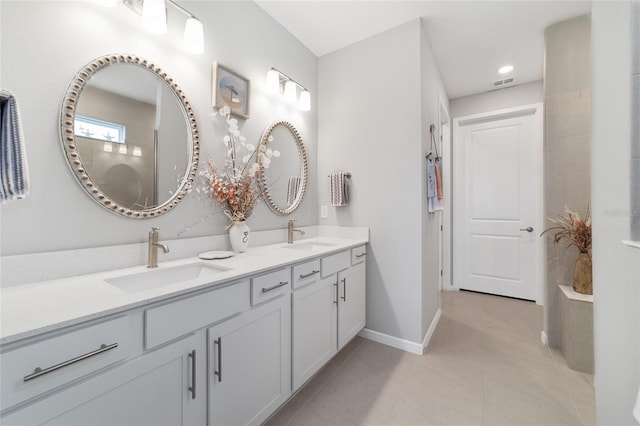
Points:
[[283, 184], [130, 136]]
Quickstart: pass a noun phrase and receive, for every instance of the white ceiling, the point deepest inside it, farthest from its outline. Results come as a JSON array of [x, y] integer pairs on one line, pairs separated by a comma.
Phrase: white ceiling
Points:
[[470, 39]]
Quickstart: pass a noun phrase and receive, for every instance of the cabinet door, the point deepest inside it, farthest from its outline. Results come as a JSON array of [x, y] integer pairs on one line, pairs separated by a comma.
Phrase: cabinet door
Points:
[[250, 364], [159, 388], [352, 285], [315, 315]]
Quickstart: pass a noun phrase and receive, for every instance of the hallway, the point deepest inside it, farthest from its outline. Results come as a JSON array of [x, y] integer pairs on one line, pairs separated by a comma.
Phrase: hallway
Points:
[[485, 365]]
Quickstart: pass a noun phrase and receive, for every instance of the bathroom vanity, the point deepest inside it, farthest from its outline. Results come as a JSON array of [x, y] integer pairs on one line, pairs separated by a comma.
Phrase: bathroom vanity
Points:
[[216, 342]]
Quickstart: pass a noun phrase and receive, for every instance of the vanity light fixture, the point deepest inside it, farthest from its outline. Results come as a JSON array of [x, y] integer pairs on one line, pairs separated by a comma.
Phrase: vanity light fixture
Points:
[[122, 149], [277, 79], [154, 16], [137, 151], [107, 147]]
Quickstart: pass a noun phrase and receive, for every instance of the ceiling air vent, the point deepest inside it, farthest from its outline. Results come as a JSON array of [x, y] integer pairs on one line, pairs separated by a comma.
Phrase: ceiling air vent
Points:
[[499, 83]]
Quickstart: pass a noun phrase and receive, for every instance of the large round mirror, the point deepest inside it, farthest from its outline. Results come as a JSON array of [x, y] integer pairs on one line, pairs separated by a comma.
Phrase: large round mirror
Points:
[[283, 183], [130, 136]]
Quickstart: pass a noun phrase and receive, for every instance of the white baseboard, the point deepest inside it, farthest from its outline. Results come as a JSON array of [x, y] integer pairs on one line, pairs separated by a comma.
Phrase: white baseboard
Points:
[[432, 329], [396, 342], [544, 338]]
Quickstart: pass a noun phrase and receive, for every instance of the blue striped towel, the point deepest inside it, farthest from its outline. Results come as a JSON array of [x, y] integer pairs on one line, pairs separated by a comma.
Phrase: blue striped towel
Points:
[[14, 173]]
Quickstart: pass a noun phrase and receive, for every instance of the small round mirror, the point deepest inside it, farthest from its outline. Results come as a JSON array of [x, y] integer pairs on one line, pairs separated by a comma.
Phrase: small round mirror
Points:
[[284, 182], [130, 136]]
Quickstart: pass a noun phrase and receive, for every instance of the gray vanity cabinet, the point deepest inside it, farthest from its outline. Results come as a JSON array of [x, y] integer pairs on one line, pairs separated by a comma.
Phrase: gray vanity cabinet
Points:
[[250, 356], [328, 309], [162, 387], [351, 303]]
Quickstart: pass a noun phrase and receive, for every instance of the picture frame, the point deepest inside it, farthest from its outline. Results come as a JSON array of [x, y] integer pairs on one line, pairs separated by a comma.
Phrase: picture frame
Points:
[[230, 89]]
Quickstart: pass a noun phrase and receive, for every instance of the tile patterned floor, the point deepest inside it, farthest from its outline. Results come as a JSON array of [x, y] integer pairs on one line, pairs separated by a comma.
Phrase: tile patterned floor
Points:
[[485, 365]]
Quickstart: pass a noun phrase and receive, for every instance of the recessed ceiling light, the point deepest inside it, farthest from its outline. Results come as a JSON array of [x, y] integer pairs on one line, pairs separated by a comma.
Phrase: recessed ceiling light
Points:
[[506, 69]]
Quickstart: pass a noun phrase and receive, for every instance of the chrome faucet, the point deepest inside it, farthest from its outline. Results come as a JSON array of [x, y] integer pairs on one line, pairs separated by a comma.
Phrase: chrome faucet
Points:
[[153, 248], [291, 230]]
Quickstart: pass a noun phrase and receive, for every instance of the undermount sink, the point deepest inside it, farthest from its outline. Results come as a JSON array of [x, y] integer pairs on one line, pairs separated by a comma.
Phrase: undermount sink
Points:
[[309, 246], [160, 277]]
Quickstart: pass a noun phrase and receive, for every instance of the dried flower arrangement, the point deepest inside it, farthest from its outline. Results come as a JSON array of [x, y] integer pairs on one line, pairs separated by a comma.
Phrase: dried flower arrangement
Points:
[[235, 187], [573, 228]]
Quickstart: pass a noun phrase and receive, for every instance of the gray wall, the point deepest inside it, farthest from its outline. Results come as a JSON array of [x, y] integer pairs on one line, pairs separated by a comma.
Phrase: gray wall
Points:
[[374, 124], [43, 45], [567, 142], [616, 267], [523, 94]]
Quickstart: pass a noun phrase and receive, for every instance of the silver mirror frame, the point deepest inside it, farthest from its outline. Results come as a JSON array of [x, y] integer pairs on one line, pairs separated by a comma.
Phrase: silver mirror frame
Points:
[[72, 155], [304, 169]]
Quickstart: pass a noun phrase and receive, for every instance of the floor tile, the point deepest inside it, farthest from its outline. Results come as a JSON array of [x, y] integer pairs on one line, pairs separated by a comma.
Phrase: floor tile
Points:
[[485, 365]]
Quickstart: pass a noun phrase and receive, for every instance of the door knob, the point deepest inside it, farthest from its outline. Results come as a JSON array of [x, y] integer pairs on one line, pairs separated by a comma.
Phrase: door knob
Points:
[[528, 229]]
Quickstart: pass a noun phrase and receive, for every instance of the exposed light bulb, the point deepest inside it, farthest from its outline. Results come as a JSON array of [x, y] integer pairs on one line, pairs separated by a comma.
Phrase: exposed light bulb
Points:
[[194, 36], [290, 92], [154, 16], [305, 101], [506, 69], [273, 81]]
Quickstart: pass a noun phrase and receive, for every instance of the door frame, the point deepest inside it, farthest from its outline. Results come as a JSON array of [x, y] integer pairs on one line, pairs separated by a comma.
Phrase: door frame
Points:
[[459, 190], [445, 235]]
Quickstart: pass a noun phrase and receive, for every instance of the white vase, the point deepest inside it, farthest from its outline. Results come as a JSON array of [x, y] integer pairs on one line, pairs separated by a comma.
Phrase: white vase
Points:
[[239, 236]]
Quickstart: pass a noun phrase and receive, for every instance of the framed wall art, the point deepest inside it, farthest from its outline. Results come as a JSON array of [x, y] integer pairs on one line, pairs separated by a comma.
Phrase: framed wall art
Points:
[[230, 89]]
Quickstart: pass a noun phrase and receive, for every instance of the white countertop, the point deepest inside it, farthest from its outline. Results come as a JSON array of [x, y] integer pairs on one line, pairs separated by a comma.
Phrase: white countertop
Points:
[[32, 309]]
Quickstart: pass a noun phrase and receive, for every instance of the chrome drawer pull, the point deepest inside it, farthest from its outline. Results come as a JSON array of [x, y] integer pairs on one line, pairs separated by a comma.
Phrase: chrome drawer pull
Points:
[[361, 255], [218, 373], [192, 388], [336, 299], [280, 284], [310, 274], [41, 372], [344, 286]]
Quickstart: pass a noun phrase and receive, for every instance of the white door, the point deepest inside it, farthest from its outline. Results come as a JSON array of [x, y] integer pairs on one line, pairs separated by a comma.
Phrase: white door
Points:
[[499, 178]]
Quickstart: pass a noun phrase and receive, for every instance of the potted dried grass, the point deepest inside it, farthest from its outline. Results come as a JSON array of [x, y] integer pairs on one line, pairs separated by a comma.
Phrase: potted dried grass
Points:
[[576, 231]]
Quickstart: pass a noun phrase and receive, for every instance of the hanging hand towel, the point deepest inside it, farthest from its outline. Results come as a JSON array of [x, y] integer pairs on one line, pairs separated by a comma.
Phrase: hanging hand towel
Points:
[[292, 189], [431, 176], [438, 179], [14, 173], [339, 190]]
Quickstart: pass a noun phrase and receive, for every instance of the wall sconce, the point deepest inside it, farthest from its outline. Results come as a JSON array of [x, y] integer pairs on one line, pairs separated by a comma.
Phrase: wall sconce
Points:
[[276, 79], [154, 16], [137, 151]]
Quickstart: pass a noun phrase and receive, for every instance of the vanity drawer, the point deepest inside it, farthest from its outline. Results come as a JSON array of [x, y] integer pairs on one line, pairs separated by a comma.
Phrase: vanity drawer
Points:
[[35, 368], [167, 322], [358, 255], [270, 285], [335, 263], [306, 273]]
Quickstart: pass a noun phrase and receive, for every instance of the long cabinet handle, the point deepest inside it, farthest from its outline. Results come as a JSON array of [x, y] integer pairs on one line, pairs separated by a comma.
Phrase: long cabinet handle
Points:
[[344, 289], [280, 284], [336, 286], [192, 388], [218, 373], [41, 372], [309, 274], [361, 255]]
